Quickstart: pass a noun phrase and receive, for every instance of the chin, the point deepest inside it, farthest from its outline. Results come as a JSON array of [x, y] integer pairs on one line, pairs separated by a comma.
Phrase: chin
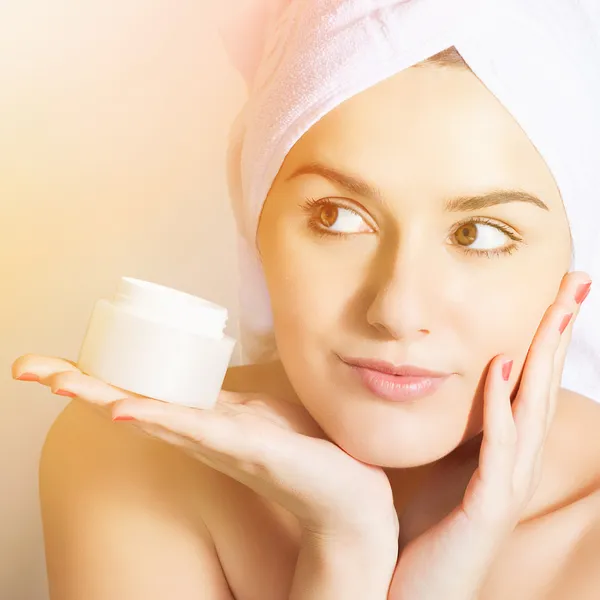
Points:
[[385, 446]]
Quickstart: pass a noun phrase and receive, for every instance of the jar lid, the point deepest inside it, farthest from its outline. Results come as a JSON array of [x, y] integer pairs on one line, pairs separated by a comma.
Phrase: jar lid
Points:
[[170, 306]]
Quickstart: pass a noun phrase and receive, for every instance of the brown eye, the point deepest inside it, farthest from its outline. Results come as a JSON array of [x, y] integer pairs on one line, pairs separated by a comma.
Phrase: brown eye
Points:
[[328, 215], [467, 234], [482, 236], [330, 218]]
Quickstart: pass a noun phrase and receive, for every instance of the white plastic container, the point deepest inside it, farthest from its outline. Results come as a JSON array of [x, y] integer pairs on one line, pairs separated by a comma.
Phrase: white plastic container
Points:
[[158, 342]]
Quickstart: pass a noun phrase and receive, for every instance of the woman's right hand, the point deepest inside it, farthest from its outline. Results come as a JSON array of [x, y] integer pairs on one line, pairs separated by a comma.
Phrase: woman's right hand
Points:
[[272, 446]]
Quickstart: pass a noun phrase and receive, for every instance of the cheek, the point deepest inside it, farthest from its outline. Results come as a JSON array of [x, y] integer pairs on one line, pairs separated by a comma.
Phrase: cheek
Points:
[[506, 320], [309, 287]]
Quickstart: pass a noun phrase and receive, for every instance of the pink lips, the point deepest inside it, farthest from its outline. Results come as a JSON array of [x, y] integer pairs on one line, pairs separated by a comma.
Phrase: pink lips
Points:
[[416, 383]]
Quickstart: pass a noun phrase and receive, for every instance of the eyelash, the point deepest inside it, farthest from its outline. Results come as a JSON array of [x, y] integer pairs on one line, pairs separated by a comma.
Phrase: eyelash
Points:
[[311, 203]]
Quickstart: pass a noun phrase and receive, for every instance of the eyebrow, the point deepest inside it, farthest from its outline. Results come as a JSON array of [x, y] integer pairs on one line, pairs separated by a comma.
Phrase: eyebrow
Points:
[[456, 204]]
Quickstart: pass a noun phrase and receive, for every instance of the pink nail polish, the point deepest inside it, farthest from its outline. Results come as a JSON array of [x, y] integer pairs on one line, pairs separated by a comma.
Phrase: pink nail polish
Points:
[[65, 393], [123, 418], [506, 369], [582, 291], [28, 377], [565, 322]]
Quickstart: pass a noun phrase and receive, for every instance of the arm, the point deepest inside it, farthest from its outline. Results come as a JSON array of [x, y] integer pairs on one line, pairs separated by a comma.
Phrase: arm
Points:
[[118, 496], [353, 568], [121, 515]]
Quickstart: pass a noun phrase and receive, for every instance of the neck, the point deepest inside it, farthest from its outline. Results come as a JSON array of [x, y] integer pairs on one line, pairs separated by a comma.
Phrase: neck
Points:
[[424, 495]]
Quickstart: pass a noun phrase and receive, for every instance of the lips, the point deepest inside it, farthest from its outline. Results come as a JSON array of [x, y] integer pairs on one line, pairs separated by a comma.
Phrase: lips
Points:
[[391, 369], [396, 383]]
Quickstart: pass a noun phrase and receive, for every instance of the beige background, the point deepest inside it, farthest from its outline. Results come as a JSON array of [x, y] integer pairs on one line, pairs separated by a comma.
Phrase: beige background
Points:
[[113, 124]]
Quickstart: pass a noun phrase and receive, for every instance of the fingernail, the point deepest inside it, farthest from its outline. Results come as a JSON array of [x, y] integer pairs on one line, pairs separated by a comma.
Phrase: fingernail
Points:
[[123, 418], [28, 377], [565, 322], [582, 291], [506, 369], [65, 393]]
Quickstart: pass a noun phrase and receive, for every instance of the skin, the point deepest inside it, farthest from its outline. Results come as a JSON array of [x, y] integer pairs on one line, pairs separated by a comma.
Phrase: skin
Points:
[[374, 285], [398, 284]]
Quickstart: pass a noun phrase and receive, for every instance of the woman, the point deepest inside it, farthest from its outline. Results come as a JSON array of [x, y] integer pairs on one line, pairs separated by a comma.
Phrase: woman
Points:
[[415, 222]]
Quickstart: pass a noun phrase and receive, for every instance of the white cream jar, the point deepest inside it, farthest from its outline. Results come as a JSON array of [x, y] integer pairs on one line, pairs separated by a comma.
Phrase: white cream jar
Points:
[[158, 342]]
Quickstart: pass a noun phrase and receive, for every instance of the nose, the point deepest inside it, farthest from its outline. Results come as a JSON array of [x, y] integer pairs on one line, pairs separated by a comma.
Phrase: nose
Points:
[[406, 285]]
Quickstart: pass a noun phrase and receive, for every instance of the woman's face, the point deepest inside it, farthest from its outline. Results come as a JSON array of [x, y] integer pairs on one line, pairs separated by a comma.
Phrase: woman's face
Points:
[[395, 275]]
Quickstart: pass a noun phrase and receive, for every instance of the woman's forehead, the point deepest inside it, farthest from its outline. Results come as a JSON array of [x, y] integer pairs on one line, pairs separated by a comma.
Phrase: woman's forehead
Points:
[[415, 107], [427, 127]]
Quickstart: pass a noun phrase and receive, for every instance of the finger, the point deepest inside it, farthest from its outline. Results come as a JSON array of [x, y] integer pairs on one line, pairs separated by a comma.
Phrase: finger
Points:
[[63, 376], [547, 352], [536, 397], [41, 366], [559, 359], [488, 496], [101, 396], [498, 447], [85, 387], [218, 431], [45, 368], [532, 400], [533, 473]]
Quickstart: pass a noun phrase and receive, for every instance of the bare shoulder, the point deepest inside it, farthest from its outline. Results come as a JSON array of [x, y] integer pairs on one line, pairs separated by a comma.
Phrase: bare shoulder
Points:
[[581, 441], [586, 424], [576, 447], [568, 522], [115, 500], [580, 576], [581, 429]]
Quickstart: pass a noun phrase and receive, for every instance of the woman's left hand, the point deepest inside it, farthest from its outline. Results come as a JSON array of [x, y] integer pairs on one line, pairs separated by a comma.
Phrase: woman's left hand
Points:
[[452, 559]]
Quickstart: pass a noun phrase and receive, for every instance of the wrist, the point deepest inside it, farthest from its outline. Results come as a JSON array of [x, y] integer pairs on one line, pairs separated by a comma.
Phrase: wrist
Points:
[[335, 565], [374, 528], [373, 538], [377, 551]]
